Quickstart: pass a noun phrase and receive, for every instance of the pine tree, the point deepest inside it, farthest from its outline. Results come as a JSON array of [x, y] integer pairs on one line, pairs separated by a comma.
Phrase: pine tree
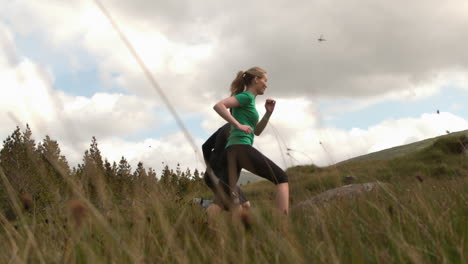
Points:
[[124, 179], [152, 174], [10, 164], [93, 155], [166, 175], [50, 150], [124, 171], [110, 171], [184, 182], [93, 175], [196, 175], [140, 172], [25, 170], [141, 181], [56, 167], [174, 180]]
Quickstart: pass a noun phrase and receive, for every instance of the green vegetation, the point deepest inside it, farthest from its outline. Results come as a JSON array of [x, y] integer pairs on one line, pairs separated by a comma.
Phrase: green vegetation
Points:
[[107, 213], [404, 149]]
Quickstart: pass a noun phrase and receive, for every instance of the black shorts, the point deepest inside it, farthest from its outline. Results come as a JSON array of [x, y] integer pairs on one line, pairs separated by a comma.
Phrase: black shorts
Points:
[[238, 157]]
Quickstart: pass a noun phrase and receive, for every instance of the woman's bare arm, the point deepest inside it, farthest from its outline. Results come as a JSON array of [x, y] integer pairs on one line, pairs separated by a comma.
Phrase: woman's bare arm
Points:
[[222, 109], [262, 124], [269, 107]]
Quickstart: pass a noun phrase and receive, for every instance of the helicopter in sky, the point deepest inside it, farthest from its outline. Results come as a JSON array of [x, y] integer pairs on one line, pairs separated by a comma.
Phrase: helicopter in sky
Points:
[[320, 39]]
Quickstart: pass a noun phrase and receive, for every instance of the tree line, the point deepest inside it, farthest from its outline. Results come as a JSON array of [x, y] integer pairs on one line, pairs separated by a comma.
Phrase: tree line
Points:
[[40, 173]]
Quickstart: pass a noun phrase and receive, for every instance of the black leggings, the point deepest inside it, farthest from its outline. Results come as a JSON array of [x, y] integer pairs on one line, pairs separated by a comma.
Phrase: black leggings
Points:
[[240, 157], [213, 185]]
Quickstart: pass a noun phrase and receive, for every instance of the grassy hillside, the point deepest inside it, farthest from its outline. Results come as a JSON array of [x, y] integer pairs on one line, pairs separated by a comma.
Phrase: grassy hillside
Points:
[[394, 152], [440, 159], [386, 154], [419, 217]]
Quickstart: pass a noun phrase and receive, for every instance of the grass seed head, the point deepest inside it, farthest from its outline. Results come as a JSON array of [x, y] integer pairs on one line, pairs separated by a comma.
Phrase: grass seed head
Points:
[[77, 211], [27, 201]]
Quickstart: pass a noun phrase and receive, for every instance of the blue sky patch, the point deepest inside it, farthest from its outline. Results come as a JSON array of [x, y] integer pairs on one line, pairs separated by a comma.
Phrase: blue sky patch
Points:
[[449, 99]]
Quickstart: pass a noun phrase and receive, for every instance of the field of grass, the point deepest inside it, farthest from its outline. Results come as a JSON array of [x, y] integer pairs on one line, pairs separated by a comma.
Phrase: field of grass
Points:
[[419, 215]]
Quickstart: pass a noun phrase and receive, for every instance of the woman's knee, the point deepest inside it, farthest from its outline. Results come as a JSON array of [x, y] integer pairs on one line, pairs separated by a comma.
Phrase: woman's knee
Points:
[[282, 178]]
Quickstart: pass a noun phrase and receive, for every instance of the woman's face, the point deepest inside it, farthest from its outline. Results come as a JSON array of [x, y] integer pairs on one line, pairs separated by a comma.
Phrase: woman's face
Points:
[[261, 84]]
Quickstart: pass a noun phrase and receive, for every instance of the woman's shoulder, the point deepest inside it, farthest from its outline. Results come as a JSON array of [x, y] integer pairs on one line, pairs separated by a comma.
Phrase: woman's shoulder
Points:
[[245, 96], [248, 93], [244, 99]]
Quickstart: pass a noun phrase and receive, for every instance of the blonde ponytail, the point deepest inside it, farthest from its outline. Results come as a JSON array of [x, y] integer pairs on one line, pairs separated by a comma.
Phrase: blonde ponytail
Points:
[[238, 85], [244, 79]]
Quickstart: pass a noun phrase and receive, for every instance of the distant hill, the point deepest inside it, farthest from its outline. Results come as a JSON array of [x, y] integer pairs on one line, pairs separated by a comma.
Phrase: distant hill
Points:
[[247, 177], [386, 154], [391, 153], [440, 159]]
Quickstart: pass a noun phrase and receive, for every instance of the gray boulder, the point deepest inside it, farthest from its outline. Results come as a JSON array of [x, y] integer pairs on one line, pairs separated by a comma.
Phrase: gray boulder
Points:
[[340, 192]]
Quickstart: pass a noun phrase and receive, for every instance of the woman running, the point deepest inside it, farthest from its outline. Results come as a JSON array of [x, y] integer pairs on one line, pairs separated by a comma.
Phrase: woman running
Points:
[[244, 125]]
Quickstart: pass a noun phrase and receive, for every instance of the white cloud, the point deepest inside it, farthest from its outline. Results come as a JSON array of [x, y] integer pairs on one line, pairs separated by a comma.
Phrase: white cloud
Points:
[[322, 146], [7, 45], [379, 49], [81, 26], [155, 153], [28, 96], [294, 113], [377, 52], [325, 146], [456, 107]]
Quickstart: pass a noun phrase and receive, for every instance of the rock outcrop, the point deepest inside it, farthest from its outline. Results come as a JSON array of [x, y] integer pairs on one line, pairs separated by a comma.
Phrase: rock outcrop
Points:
[[340, 192]]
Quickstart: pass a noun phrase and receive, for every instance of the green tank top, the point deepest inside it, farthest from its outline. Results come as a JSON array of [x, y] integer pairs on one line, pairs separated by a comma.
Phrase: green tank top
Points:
[[246, 114]]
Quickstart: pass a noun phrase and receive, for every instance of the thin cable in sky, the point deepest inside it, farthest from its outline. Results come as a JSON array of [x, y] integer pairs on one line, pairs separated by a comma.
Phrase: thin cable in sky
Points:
[[277, 137], [151, 78]]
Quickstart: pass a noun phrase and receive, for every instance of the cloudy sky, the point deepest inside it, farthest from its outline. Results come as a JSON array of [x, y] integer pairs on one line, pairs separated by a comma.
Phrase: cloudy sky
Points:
[[377, 81]]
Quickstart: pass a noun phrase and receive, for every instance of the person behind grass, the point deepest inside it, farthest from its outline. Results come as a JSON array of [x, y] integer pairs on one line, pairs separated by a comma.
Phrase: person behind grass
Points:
[[215, 156], [240, 154]]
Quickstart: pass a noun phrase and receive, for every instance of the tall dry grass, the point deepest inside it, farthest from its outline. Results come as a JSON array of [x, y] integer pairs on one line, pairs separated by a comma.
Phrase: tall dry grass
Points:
[[406, 221]]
